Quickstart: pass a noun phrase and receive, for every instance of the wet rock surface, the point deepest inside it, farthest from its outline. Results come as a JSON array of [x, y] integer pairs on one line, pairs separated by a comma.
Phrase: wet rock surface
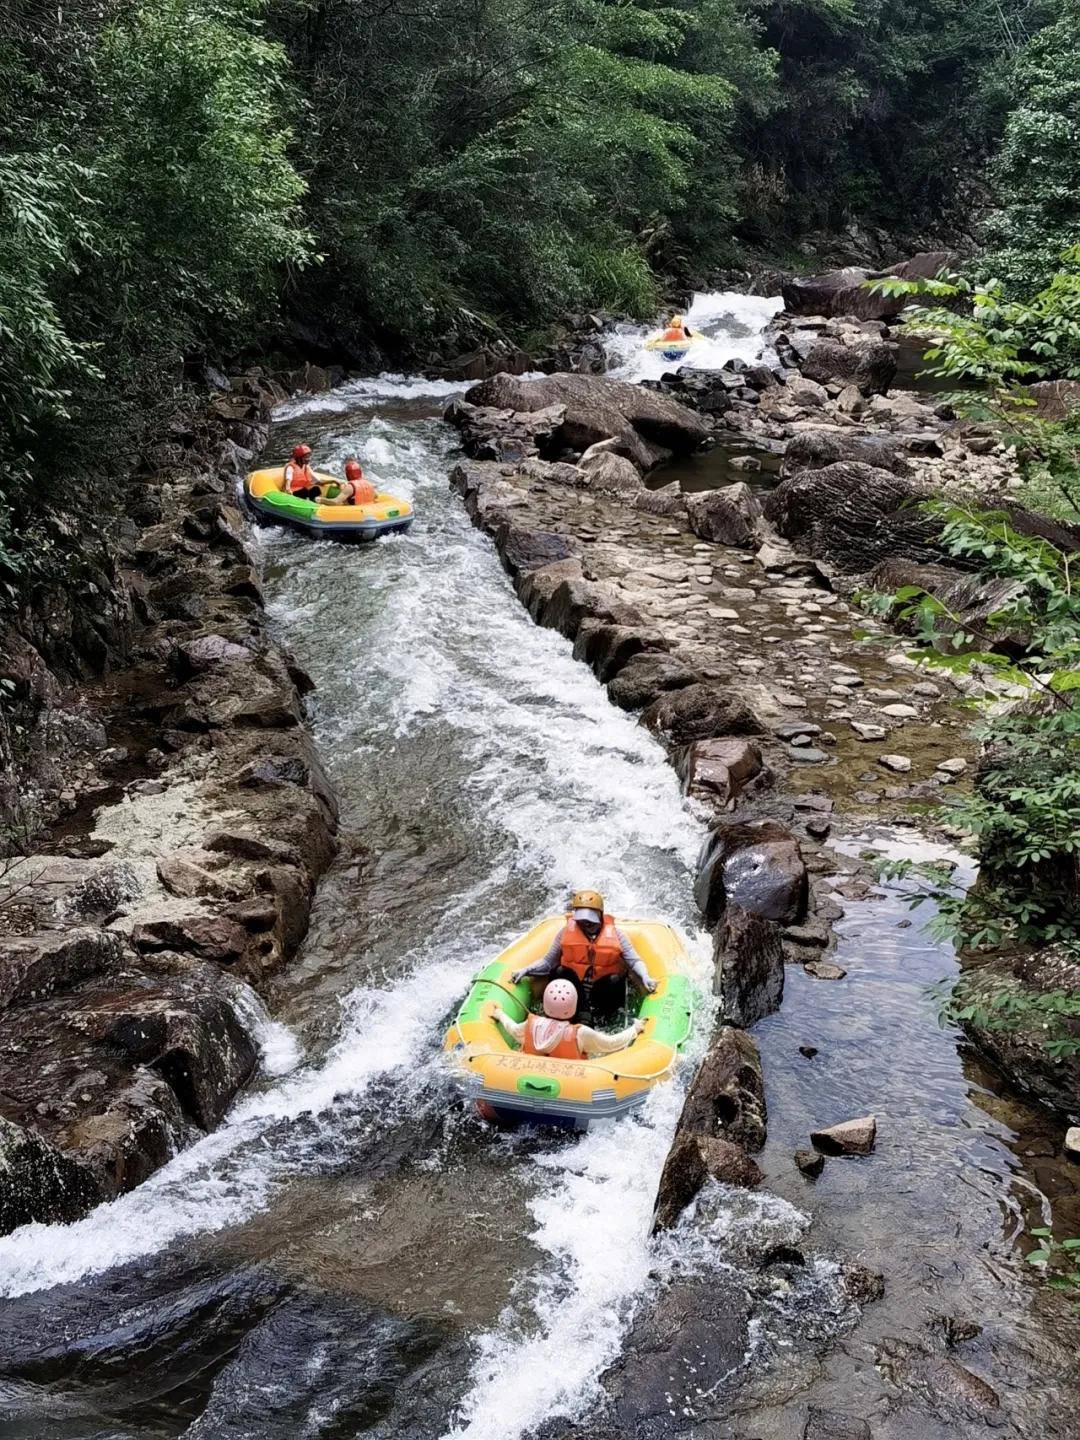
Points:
[[128, 934]]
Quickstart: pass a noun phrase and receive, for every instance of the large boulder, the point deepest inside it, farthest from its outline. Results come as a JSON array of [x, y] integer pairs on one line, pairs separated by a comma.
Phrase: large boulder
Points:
[[814, 449], [700, 712], [524, 550], [691, 1161], [38, 1182], [607, 648], [647, 427], [842, 292], [870, 365], [728, 516], [749, 974], [1055, 398], [970, 596], [757, 865], [854, 516], [645, 677], [717, 770], [727, 1096]]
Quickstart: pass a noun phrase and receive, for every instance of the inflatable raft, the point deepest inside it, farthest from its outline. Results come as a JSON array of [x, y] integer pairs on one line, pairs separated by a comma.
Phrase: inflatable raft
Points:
[[672, 349], [571, 1093], [271, 505]]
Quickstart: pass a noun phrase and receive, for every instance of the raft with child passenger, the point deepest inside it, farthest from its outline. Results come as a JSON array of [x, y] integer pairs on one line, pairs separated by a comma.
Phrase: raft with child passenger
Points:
[[511, 1085]]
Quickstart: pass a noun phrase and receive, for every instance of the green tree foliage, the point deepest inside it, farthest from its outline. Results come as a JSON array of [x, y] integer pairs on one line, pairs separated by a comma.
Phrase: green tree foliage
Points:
[[994, 347], [1022, 811], [886, 108], [146, 206], [483, 160], [1037, 171]]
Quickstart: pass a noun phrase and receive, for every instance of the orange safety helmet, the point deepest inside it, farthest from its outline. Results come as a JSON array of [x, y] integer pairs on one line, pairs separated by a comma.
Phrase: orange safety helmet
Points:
[[587, 900], [301, 453], [353, 470]]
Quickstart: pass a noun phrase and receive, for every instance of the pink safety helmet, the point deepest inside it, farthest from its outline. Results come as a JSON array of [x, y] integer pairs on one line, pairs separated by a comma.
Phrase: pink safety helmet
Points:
[[560, 1000]]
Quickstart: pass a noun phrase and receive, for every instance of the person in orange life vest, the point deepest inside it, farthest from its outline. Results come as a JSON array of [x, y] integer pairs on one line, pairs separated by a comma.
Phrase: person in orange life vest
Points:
[[554, 1033], [300, 479], [594, 955], [355, 490], [678, 330]]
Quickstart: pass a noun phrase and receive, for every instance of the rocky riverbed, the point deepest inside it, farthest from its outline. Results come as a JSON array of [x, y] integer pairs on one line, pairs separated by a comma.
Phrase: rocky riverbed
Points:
[[190, 822]]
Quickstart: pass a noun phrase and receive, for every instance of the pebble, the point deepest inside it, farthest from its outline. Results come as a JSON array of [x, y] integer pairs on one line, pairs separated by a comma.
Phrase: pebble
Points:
[[956, 766], [900, 712], [787, 732], [790, 700], [810, 1162], [824, 970], [925, 688], [808, 756], [1072, 1142], [868, 732], [724, 614]]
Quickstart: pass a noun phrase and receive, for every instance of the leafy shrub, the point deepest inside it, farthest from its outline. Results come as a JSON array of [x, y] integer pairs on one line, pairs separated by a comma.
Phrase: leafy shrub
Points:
[[1022, 811]]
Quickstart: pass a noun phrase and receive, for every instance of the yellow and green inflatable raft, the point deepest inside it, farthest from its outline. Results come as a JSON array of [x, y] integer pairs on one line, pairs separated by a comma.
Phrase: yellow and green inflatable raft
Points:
[[571, 1093], [672, 349], [271, 505]]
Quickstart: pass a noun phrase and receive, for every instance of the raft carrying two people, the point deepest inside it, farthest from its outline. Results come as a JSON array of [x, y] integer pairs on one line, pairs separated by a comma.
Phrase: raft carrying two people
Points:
[[674, 340], [317, 502], [556, 1067]]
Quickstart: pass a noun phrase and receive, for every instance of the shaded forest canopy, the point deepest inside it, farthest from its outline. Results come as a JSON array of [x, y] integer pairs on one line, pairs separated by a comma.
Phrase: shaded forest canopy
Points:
[[183, 180]]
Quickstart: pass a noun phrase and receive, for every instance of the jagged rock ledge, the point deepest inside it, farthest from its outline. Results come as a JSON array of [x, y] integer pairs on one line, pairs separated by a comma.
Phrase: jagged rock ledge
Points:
[[166, 741]]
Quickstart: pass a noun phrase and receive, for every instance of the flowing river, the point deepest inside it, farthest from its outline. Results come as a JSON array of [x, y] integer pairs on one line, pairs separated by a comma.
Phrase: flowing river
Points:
[[354, 1254]]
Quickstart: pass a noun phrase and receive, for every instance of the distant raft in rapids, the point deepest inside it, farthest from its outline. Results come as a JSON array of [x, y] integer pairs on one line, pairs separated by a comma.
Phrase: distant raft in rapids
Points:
[[271, 504], [514, 1086], [672, 349]]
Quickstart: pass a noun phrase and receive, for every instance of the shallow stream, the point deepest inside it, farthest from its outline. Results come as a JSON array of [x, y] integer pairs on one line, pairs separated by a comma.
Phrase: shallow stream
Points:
[[352, 1253]]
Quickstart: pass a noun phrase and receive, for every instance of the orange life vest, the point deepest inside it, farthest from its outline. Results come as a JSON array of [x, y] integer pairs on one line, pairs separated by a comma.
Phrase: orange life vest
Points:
[[674, 332], [299, 477], [592, 959], [566, 1049], [363, 492]]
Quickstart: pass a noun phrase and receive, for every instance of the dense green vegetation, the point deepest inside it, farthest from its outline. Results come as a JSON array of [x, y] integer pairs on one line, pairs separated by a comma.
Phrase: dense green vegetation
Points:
[[994, 348], [183, 180], [1022, 812]]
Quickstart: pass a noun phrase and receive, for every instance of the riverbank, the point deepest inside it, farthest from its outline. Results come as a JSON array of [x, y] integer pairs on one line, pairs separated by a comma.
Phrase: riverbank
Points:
[[169, 819], [804, 747]]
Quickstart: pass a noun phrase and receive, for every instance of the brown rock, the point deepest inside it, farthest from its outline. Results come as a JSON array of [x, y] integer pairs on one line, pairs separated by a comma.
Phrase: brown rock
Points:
[[755, 864], [718, 769], [691, 1161], [34, 966], [810, 1162], [213, 937], [700, 712], [749, 974], [728, 516], [647, 676], [648, 426], [850, 1137], [727, 1097]]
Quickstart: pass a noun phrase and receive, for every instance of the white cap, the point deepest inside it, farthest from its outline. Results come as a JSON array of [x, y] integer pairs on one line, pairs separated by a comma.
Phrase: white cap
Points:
[[586, 914]]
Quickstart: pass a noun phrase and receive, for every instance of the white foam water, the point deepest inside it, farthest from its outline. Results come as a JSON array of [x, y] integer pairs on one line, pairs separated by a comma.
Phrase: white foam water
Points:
[[731, 326], [280, 1052], [558, 788]]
